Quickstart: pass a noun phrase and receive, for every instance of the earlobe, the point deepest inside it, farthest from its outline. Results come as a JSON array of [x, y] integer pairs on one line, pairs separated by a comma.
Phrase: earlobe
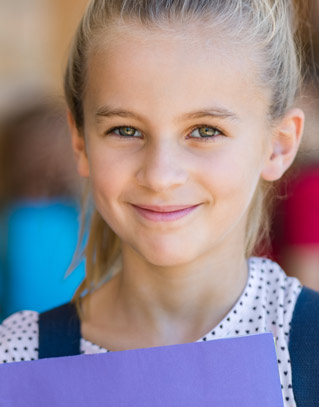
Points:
[[284, 145], [79, 148]]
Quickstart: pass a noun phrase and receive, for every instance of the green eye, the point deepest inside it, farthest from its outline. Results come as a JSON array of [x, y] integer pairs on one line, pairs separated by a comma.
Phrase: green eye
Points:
[[205, 132], [127, 131]]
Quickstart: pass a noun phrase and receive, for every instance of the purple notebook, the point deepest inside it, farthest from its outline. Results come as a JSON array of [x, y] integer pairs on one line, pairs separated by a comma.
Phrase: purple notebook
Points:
[[234, 372]]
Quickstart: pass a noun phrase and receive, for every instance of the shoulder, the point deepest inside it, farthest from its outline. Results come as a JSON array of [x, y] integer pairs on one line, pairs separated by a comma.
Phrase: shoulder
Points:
[[19, 337], [278, 291], [275, 277]]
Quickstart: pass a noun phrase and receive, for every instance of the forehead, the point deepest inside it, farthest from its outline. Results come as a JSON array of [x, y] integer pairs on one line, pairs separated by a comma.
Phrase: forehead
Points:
[[174, 70]]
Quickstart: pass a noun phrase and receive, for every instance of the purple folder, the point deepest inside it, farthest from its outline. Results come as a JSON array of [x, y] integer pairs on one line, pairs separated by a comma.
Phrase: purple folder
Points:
[[234, 372]]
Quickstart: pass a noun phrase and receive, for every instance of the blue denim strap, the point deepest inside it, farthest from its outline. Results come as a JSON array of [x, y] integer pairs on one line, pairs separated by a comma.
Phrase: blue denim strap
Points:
[[59, 332], [304, 349]]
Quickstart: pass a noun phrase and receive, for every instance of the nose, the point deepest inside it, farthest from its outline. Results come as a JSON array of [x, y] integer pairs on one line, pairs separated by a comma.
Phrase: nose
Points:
[[162, 168]]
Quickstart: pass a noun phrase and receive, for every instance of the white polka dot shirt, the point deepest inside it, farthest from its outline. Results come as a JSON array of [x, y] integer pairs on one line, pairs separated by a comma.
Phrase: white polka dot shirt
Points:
[[266, 305]]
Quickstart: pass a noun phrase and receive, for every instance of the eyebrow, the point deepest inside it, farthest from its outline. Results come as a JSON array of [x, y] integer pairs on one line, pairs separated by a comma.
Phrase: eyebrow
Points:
[[219, 112], [107, 111]]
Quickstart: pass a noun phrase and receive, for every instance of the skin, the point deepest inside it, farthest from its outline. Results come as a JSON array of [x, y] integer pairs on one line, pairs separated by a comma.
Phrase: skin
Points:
[[178, 279]]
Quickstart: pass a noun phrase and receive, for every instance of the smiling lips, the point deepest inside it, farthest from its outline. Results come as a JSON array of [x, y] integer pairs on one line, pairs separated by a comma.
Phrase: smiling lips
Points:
[[164, 213]]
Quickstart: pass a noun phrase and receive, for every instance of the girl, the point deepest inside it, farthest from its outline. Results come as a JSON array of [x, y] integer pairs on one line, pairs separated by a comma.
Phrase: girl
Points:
[[181, 113]]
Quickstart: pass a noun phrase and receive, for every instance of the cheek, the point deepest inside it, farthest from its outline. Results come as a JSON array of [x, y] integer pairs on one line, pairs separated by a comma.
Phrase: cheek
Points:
[[109, 172], [231, 178]]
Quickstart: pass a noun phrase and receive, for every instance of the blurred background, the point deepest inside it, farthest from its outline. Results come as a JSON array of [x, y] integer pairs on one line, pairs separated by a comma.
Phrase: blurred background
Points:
[[39, 188]]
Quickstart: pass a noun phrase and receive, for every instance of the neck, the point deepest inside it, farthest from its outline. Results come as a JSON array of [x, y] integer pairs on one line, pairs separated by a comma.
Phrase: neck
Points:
[[182, 302]]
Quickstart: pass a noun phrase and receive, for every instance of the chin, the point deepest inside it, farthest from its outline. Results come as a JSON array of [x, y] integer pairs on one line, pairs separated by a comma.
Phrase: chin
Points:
[[167, 255]]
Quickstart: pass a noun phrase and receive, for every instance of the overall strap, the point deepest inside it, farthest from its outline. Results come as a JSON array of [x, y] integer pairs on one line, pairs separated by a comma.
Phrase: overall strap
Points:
[[59, 332], [304, 349]]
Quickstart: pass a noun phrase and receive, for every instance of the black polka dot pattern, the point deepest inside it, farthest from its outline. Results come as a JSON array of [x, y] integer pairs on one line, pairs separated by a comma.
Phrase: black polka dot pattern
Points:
[[19, 337], [266, 305]]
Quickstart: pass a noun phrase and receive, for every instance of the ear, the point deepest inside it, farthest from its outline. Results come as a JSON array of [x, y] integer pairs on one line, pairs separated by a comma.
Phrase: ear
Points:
[[284, 145], [79, 148]]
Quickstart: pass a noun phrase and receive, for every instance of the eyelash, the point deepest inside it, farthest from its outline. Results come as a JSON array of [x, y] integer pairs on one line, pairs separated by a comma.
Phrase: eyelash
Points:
[[201, 139]]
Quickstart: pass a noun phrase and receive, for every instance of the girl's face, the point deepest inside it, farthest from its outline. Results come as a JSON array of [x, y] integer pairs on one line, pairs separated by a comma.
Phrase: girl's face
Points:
[[173, 123]]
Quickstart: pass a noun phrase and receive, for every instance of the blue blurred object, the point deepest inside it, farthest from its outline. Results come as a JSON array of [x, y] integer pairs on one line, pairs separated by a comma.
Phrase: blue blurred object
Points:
[[41, 238]]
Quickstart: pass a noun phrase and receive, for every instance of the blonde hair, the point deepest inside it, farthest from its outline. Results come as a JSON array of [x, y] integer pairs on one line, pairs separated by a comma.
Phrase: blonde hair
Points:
[[267, 26]]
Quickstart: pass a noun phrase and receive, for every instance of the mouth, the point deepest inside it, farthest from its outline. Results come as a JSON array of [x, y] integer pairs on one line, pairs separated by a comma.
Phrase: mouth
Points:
[[164, 213]]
